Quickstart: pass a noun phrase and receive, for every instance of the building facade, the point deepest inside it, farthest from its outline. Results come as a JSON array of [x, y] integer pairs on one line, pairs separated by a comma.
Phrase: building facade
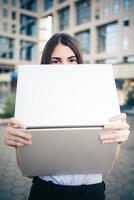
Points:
[[104, 28], [18, 37]]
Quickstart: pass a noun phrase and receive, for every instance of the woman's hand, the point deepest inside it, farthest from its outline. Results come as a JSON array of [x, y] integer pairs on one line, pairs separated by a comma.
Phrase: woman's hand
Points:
[[14, 136], [119, 131]]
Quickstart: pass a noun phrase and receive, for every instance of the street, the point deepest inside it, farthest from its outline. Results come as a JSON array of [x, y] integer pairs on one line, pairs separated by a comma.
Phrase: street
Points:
[[119, 183]]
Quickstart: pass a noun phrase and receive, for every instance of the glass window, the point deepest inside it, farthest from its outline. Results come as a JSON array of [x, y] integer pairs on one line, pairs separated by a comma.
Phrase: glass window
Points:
[[86, 61], [13, 2], [116, 6], [108, 38], [60, 1], [5, 1], [126, 23], [27, 50], [5, 26], [128, 59], [84, 38], [13, 15], [111, 61], [119, 84], [83, 10], [97, 13], [101, 38], [28, 5], [127, 4], [107, 61], [13, 28], [106, 9], [102, 61], [5, 13], [64, 18], [28, 25], [48, 4], [6, 48]]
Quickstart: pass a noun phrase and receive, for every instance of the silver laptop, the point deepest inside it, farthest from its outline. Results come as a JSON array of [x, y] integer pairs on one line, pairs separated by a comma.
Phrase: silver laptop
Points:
[[66, 151], [65, 108]]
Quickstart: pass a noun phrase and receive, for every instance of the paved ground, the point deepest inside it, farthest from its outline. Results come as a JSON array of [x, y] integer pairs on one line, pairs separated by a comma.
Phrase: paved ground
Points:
[[120, 183]]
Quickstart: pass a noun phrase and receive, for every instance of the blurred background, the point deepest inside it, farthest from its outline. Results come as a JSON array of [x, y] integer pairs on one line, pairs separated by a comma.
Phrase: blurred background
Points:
[[105, 30]]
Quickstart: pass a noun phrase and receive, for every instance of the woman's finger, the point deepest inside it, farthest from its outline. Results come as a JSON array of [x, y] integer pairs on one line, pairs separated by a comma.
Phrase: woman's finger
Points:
[[16, 123], [18, 133], [121, 116], [13, 143], [119, 136], [118, 126], [115, 140], [18, 139]]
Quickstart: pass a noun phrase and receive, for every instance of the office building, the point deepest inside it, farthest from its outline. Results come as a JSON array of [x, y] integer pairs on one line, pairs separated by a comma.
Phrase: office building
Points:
[[104, 29], [18, 37]]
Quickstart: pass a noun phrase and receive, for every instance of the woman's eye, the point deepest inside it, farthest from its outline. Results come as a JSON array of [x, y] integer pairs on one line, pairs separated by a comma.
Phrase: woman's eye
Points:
[[73, 61], [55, 61]]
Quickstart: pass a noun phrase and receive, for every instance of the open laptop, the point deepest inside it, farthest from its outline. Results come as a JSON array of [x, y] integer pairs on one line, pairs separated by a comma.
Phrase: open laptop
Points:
[[65, 108]]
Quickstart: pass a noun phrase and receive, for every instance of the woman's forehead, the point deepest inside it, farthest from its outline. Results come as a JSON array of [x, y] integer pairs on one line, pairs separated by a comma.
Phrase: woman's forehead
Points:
[[62, 51]]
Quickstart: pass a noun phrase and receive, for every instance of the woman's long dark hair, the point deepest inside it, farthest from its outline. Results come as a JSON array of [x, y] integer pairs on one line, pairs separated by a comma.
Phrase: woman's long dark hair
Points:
[[64, 39]]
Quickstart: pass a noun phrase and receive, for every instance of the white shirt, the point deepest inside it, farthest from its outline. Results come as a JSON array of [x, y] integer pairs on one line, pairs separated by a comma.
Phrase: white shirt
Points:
[[74, 179]]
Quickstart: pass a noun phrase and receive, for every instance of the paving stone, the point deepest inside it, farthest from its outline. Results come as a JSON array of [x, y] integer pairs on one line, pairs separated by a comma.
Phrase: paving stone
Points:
[[18, 190], [127, 196], [1, 175], [19, 183], [5, 195], [19, 197]]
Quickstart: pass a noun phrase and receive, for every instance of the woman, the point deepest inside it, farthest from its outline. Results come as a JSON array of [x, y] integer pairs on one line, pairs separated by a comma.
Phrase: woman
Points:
[[64, 49]]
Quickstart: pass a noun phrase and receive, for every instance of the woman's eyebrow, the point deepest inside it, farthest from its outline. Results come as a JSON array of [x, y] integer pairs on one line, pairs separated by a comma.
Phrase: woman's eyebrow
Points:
[[71, 57], [55, 58], [60, 58]]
